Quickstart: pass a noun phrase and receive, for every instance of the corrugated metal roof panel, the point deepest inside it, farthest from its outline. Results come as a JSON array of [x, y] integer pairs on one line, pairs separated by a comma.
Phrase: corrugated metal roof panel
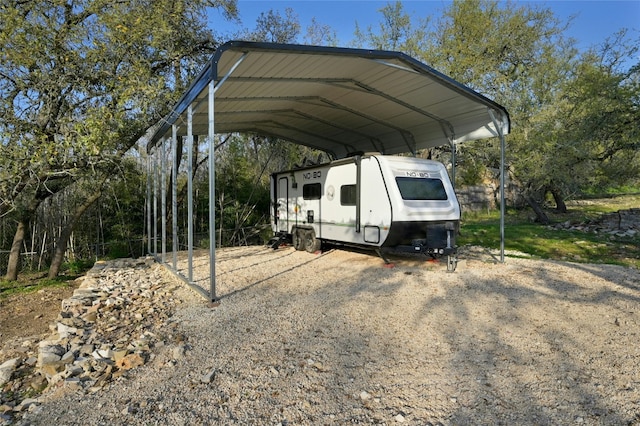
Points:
[[335, 99]]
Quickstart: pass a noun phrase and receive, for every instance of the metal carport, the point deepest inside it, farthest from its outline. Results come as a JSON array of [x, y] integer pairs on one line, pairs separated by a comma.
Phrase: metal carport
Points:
[[337, 100]]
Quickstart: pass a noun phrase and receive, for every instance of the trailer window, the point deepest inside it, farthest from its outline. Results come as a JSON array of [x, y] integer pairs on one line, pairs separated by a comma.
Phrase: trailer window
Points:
[[311, 191], [348, 195], [421, 188]]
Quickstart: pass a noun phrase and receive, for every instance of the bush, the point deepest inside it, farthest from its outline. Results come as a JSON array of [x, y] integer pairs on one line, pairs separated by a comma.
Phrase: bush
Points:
[[78, 266], [118, 250]]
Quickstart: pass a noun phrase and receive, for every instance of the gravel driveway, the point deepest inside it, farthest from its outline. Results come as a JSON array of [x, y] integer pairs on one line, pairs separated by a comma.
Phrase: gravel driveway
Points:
[[301, 339]]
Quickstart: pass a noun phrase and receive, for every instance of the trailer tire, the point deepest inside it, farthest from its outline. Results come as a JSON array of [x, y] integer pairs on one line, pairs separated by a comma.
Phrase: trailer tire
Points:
[[297, 239], [311, 243]]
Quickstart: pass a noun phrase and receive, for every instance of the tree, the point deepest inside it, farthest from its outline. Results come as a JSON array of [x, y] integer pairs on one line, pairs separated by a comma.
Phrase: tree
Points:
[[586, 134], [81, 81], [274, 28], [517, 55], [25, 214], [320, 35], [574, 117], [68, 228], [396, 32], [602, 106]]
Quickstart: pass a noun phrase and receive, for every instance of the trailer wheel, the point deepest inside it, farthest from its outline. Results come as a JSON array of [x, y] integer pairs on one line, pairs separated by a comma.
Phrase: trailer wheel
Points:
[[311, 243], [297, 239]]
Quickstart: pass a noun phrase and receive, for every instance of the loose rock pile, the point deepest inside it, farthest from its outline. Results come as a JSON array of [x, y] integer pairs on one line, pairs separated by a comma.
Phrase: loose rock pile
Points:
[[623, 223], [108, 327]]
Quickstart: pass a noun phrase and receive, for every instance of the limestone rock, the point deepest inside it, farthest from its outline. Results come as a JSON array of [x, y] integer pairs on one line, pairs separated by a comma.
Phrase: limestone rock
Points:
[[178, 352], [130, 361], [208, 377], [50, 353], [7, 368], [65, 331]]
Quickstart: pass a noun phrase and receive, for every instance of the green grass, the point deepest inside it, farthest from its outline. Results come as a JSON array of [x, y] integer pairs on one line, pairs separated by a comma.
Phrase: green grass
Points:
[[32, 282], [541, 241]]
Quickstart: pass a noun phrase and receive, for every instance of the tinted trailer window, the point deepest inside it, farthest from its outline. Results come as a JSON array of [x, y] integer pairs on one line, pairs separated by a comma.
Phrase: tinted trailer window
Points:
[[421, 188], [312, 191]]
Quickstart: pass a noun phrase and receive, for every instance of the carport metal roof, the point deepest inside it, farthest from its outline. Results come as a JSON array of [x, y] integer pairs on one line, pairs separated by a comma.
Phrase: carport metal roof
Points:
[[337, 100]]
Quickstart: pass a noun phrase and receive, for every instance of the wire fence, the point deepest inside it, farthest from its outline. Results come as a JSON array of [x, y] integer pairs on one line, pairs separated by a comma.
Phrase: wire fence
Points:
[[29, 262], [39, 261]]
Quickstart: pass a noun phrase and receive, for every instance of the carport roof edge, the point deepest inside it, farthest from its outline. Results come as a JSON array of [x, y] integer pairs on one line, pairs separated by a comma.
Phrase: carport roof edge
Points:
[[335, 99]]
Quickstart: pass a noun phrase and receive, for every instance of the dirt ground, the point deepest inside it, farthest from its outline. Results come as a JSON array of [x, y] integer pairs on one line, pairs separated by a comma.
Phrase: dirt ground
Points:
[[29, 315]]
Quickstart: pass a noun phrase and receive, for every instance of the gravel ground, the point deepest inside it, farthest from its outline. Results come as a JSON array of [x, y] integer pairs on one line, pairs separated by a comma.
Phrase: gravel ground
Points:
[[337, 338]]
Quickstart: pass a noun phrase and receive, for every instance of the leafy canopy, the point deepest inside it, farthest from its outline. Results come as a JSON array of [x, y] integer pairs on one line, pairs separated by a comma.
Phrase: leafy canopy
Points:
[[80, 80]]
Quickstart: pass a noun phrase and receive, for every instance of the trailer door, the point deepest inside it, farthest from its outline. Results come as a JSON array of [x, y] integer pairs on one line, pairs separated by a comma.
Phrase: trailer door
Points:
[[282, 199]]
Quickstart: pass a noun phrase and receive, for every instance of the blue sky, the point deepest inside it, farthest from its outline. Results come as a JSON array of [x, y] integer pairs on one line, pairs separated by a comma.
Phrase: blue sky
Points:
[[594, 20]]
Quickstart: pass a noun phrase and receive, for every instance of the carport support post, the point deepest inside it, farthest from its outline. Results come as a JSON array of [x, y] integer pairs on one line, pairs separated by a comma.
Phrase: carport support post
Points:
[[212, 196], [190, 191], [174, 194], [163, 197], [148, 206], [452, 142], [156, 170], [212, 177], [498, 125]]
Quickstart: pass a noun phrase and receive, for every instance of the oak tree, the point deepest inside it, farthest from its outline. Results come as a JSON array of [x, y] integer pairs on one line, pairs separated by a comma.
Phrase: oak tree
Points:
[[81, 81]]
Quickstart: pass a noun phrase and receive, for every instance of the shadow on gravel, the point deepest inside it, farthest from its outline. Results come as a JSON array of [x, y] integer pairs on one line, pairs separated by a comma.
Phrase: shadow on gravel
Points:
[[620, 275], [338, 338], [534, 346], [277, 271]]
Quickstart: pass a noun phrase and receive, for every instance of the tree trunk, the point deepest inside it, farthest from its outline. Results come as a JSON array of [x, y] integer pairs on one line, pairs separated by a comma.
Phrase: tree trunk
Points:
[[14, 256], [13, 266], [179, 146], [541, 217], [65, 234], [561, 206]]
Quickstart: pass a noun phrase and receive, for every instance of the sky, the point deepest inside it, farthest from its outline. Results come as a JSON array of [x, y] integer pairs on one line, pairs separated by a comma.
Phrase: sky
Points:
[[593, 21]]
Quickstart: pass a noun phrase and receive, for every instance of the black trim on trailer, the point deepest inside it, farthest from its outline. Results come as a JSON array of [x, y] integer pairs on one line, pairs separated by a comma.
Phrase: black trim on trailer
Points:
[[386, 188]]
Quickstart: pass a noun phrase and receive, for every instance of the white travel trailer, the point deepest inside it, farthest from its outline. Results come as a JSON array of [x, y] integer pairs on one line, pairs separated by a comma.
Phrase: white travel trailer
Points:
[[369, 200]]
